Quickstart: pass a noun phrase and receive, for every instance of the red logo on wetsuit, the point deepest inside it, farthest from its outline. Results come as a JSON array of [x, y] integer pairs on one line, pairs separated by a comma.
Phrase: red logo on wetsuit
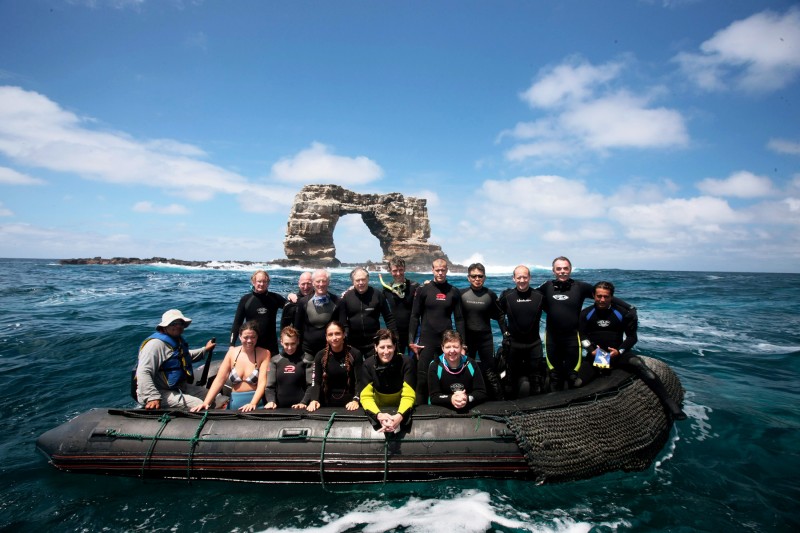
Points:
[[289, 369], [441, 296]]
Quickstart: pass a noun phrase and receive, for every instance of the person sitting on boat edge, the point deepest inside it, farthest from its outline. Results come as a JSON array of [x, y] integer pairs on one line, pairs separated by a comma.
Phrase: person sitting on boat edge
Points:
[[289, 374], [247, 375], [454, 379], [336, 377], [389, 383], [165, 365], [604, 326], [262, 306]]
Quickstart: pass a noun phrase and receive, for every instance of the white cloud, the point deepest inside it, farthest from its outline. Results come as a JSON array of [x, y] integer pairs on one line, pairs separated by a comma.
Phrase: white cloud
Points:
[[759, 53], [784, 146], [10, 176], [5, 212], [574, 80], [740, 184], [318, 165], [585, 115], [677, 220], [149, 207], [624, 121]]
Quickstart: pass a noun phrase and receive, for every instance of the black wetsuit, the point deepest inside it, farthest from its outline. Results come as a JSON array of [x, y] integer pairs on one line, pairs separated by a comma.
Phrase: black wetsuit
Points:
[[615, 327], [434, 303], [444, 381], [361, 316], [263, 308], [288, 379], [401, 310], [479, 308], [341, 385], [522, 345], [563, 301], [311, 319]]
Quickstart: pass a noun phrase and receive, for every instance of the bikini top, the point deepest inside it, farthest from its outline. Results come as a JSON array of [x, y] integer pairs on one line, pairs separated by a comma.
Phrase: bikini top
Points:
[[252, 379]]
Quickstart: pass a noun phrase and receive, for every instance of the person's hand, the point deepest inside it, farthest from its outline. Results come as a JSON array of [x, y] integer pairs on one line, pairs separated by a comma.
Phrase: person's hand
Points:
[[203, 407], [614, 352], [352, 406], [459, 399], [416, 348], [312, 406], [292, 297], [299, 406], [153, 404], [246, 408], [389, 423], [271, 405], [210, 345]]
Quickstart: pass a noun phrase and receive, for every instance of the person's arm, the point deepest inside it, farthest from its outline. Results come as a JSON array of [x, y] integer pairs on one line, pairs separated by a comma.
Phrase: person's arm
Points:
[[300, 319], [313, 378], [151, 357], [358, 366], [223, 372], [630, 323], [436, 395], [386, 312], [478, 393], [270, 391], [497, 313], [414, 320], [458, 314], [238, 319], [263, 371], [198, 353]]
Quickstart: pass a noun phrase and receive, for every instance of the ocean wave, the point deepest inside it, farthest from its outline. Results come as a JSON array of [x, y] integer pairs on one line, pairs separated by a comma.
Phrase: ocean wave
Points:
[[469, 511]]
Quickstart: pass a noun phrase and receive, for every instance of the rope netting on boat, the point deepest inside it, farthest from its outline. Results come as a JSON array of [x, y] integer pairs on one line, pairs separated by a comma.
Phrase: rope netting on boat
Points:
[[624, 432]]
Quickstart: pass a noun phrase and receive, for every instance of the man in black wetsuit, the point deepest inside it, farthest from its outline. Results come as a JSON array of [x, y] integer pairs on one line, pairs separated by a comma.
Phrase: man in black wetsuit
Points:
[[522, 345], [434, 304], [400, 295], [479, 307], [314, 312], [563, 301], [360, 310], [613, 329], [262, 306], [304, 287]]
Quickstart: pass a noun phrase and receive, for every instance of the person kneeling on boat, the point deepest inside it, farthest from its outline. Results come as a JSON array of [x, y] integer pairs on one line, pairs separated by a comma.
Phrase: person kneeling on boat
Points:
[[389, 384], [289, 374], [608, 335], [336, 377], [454, 379], [165, 365], [245, 367]]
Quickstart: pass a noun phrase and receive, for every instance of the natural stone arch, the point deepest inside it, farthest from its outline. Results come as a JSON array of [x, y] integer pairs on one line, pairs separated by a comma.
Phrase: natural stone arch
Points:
[[400, 224]]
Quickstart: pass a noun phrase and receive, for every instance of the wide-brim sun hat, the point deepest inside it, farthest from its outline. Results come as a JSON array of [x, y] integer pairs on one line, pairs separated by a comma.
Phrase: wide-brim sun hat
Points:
[[171, 316]]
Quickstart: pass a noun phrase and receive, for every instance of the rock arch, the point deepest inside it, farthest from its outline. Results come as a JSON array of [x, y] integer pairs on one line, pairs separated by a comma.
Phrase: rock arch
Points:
[[400, 224]]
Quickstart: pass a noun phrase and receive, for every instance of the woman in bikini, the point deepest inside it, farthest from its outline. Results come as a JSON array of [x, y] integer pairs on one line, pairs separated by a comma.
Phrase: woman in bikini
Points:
[[245, 367]]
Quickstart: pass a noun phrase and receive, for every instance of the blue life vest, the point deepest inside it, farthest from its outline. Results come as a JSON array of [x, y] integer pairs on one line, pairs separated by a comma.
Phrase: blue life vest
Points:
[[178, 367], [616, 313]]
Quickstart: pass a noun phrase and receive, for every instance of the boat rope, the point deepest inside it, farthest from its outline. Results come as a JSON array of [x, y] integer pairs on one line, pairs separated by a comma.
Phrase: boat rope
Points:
[[193, 444], [322, 451], [164, 419]]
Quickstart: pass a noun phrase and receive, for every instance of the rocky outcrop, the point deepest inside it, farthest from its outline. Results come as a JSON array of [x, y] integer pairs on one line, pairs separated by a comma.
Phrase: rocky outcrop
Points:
[[399, 223]]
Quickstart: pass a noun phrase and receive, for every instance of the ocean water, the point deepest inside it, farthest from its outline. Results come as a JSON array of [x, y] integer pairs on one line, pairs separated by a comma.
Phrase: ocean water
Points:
[[69, 334]]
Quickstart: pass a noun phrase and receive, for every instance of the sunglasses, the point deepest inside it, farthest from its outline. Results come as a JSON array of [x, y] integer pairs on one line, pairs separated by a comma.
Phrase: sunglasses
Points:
[[477, 276]]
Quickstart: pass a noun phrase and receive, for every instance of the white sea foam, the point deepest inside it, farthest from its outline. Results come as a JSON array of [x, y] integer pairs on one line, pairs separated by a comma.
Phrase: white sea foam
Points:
[[468, 511]]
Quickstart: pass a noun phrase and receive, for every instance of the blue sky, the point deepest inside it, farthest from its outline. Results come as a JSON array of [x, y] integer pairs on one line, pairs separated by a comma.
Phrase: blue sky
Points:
[[650, 134]]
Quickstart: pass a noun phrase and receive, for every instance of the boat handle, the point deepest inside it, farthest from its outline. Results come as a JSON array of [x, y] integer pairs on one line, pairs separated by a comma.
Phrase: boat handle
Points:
[[294, 433]]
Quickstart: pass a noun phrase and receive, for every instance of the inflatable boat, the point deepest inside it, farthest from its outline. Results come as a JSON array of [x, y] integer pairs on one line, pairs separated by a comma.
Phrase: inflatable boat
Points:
[[613, 423]]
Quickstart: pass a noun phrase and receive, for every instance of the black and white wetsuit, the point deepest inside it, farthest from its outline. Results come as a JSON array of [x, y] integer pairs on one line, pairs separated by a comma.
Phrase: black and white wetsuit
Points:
[[479, 309], [361, 316], [522, 346], [434, 304], [263, 308]]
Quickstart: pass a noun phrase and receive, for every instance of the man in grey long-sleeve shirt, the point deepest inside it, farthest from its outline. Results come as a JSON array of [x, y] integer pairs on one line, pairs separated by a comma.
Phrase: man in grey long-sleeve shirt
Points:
[[165, 364]]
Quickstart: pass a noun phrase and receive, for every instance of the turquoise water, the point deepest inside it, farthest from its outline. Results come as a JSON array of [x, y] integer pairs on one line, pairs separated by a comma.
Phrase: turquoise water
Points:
[[68, 336]]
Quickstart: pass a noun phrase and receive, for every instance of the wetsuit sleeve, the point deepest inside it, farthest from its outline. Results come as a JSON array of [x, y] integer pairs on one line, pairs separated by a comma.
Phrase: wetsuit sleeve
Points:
[[407, 399], [238, 319], [341, 314], [358, 370], [436, 395], [478, 392], [272, 381], [416, 313], [386, 311], [496, 312], [458, 314], [630, 323], [300, 319], [313, 378]]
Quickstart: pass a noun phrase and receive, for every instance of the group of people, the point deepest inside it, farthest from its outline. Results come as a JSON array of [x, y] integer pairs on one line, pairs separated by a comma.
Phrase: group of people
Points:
[[390, 348]]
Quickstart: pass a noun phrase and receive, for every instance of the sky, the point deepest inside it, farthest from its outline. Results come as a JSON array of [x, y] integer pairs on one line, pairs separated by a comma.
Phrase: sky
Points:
[[650, 134]]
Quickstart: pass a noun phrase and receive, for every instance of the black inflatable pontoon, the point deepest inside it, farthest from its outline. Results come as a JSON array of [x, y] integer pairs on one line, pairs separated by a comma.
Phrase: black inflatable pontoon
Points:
[[612, 423]]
